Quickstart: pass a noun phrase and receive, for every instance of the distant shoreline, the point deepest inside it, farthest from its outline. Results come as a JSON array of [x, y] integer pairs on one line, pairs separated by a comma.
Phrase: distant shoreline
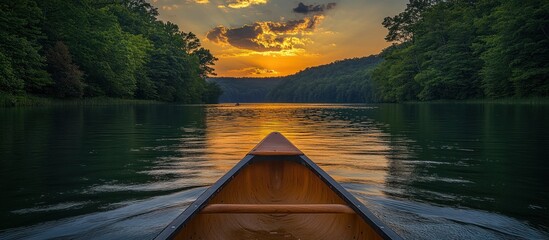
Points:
[[7, 101]]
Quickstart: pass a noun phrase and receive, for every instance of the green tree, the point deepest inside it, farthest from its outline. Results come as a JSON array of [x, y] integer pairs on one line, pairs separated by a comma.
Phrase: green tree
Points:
[[174, 70], [205, 59], [8, 80], [138, 18], [213, 91], [402, 26], [20, 33], [393, 79], [66, 75], [517, 60], [449, 65]]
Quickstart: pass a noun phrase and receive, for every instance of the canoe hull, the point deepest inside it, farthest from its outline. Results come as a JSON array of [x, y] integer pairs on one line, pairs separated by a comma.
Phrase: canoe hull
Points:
[[276, 192], [278, 180]]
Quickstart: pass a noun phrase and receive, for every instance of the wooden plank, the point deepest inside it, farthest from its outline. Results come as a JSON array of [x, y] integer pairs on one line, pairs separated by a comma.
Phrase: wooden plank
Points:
[[277, 208], [275, 144]]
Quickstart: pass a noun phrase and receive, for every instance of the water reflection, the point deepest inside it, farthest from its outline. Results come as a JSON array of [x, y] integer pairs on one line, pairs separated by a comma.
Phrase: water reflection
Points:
[[347, 146], [66, 161], [479, 156], [428, 170]]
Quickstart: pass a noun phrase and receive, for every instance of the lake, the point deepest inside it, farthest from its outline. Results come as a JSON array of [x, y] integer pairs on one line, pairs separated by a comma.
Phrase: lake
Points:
[[429, 170]]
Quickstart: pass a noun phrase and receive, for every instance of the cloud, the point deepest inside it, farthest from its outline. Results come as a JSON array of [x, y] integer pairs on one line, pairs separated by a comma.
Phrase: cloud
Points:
[[267, 36], [170, 7], [306, 9], [250, 53], [244, 3], [255, 71]]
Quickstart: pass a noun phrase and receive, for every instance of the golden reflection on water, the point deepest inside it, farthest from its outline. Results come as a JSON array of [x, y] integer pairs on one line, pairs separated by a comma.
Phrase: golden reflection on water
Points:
[[350, 150]]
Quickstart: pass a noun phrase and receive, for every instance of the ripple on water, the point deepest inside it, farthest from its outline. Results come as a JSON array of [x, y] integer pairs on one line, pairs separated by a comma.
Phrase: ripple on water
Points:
[[50, 208], [426, 221], [130, 220]]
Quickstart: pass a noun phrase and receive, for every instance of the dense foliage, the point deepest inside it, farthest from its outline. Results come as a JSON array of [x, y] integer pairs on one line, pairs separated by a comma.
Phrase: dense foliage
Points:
[[342, 81], [115, 48], [464, 49], [245, 90]]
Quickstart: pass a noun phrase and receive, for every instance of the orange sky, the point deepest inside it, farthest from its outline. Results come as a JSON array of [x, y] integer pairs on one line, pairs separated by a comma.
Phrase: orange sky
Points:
[[264, 38]]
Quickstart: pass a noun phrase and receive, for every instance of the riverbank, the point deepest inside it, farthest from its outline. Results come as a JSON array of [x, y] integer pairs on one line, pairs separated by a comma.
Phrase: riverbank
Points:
[[8, 100]]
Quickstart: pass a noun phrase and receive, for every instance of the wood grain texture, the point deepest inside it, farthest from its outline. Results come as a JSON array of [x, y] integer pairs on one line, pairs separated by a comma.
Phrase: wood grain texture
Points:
[[277, 208], [277, 183]]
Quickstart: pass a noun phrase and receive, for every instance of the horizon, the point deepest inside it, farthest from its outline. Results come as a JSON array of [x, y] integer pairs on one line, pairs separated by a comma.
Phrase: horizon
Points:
[[265, 38], [289, 75]]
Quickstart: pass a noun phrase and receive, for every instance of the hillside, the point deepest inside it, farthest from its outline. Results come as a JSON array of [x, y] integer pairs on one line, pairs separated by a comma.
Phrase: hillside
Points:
[[341, 81], [245, 90]]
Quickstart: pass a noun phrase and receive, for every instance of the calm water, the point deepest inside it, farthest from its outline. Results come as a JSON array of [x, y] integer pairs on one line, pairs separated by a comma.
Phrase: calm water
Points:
[[431, 171]]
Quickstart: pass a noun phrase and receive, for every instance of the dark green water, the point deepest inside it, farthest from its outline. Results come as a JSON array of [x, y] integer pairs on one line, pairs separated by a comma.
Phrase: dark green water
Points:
[[430, 171]]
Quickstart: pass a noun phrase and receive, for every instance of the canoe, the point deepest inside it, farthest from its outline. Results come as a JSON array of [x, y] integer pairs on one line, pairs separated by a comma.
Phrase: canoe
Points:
[[276, 192]]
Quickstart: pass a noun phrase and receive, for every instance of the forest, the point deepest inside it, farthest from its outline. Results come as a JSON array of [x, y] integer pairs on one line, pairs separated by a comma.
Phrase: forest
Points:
[[345, 81], [90, 48], [464, 49], [245, 90], [452, 50]]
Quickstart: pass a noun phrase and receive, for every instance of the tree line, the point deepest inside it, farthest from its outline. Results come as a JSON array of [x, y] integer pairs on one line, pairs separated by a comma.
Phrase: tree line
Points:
[[245, 90], [462, 49], [453, 49], [345, 81], [90, 48]]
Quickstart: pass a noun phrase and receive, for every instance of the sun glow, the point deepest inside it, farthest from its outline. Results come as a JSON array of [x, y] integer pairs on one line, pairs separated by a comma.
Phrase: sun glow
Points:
[[254, 38]]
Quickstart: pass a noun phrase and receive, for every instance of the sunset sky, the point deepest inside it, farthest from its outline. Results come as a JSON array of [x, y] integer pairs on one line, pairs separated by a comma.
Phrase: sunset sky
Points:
[[264, 38]]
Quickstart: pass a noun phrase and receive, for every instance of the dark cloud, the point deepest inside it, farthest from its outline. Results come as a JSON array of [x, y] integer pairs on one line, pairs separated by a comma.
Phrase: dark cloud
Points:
[[266, 36], [306, 9], [259, 71]]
